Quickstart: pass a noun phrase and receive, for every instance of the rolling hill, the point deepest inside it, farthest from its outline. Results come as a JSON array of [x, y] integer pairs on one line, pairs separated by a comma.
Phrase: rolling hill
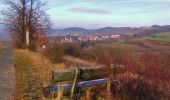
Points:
[[113, 30]]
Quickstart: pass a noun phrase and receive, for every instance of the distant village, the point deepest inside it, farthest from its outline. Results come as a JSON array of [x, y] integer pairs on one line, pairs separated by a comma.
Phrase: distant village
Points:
[[76, 38]]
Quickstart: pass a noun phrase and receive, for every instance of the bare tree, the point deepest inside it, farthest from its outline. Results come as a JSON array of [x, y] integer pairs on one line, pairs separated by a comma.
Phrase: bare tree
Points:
[[25, 19]]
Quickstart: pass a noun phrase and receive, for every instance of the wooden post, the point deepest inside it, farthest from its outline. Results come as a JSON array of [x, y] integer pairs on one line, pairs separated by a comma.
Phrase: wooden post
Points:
[[74, 86], [108, 89], [87, 95], [59, 94], [109, 83], [53, 92]]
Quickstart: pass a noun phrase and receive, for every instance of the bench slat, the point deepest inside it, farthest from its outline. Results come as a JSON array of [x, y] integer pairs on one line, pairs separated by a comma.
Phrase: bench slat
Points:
[[81, 85], [87, 73]]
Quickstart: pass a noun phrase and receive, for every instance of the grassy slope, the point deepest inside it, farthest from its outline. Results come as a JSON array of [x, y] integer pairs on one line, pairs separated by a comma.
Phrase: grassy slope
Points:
[[28, 84], [22, 63], [161, 37], [33, 72], [165, 34]]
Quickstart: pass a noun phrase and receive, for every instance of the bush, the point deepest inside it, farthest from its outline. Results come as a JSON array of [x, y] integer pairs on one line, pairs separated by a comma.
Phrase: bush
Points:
[[72, 49], [54, 52], [32, 46], [140, 89], [103, 54]]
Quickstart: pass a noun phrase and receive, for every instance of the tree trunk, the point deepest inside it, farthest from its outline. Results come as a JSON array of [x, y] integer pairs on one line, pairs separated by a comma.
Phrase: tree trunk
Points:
[[27, 37], [24, 19]]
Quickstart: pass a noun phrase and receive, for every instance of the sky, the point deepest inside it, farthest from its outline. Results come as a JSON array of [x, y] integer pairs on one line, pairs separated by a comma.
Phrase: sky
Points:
[[107, 13]]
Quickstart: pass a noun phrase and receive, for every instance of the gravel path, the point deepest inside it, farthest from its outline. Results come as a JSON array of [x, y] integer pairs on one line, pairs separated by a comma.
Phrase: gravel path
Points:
[[7, 74]]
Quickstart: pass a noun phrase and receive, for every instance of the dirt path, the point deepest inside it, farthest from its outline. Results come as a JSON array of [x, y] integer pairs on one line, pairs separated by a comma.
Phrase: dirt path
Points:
[[7, 74], [80, 62]]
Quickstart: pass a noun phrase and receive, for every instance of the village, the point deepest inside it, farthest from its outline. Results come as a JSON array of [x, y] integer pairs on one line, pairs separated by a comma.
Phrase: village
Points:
[[77, 38]]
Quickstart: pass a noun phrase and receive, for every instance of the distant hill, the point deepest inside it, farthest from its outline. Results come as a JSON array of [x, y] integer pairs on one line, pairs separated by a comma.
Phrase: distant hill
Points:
[[73, 29], [113, 30]]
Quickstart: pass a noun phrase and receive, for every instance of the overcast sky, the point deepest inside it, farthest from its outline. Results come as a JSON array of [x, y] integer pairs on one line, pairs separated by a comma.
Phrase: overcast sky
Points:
[[103, 13]]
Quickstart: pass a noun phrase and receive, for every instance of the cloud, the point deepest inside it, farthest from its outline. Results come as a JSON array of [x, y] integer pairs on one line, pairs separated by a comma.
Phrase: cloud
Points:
[[2, 6], [89, 10]]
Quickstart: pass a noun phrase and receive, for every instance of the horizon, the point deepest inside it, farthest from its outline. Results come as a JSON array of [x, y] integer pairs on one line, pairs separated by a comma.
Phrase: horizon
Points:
[[2, 28], [112, 27], [125, 13]]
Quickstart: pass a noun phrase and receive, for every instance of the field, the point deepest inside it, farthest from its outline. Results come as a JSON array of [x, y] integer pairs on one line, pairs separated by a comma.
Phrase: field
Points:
[[161, 37]]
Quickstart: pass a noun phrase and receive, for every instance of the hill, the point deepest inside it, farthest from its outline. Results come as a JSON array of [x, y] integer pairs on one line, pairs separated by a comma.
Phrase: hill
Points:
[[113, 30]]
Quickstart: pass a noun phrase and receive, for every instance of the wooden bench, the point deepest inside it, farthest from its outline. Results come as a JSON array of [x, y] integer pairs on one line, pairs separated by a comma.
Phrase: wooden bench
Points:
[[80, 78]]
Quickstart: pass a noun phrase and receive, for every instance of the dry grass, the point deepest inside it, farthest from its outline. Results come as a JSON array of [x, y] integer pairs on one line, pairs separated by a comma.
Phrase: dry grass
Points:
[[21, 63], [41, 65], [33, 72], [79, 62]]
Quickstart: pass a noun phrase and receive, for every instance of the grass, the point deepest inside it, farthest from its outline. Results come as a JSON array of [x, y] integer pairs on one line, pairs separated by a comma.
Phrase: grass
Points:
[[164, 34], [33, 72], [28, 83], [159, 39], [22, 64]]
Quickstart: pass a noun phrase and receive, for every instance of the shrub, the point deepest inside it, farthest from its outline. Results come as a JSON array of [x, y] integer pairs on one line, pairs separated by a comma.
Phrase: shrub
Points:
[[140, 89], [54, 52], [152, 72], [103, 54], [72, 49], [32, 46]]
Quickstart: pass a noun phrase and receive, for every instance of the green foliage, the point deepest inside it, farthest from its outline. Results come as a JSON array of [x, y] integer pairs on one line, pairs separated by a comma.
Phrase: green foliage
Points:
[[165, 34]]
